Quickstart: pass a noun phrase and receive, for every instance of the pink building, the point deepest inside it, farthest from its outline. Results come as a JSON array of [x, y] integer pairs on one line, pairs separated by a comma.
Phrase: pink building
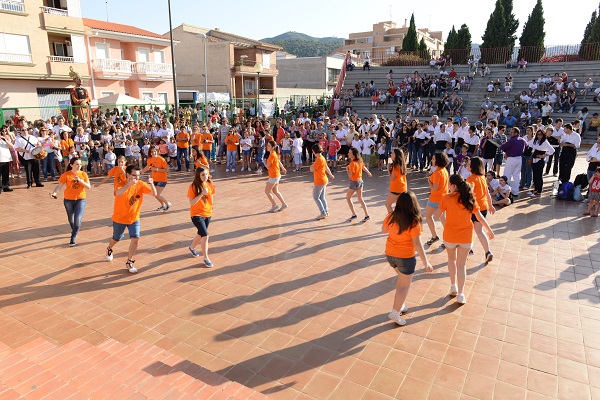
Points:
[[128, 60]]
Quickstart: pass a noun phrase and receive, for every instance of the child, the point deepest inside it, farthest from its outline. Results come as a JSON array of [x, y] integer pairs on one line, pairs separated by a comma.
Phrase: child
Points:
[[382, 157], [109, 159], [492, 182], [297, 151], [172, 146], [506, 89], [260, 152], [163, 149], [200, 195], [136, 154], [355, 169], [118, 173], [145, 150], [96, 163], [501, 196], [246, 145], [403, 226], [334, 148], [129, 152], [84, 155], [199, 159], [594, 194], [465, 167], [450, 154], [320, 172]]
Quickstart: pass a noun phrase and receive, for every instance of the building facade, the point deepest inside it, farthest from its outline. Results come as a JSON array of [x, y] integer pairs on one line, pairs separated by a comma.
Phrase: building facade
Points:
[[386, 37], [307, 76]]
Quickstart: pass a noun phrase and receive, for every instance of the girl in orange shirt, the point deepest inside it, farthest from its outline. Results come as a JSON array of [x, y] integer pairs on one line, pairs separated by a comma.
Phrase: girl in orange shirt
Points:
[[320, 170], [199, 158], [274, 167], [117, 172], [75, 182], [200, 194], [159, 168], [484, 202], [397, 172], [355, 169], [403, 226], [459, 205], [438, 187]]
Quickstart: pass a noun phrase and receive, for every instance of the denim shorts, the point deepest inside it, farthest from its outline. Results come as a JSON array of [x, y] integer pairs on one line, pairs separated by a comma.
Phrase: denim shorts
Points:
[[201, 224], [160, 184], [405, 266], [455, 245], [119, 229], [432, 204], [286, 152], [246, 153], [274, 181], [332, 157], [354, 185]]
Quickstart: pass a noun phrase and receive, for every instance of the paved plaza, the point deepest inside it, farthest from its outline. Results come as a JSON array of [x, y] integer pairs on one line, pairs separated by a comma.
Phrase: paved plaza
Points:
[[297, 308]]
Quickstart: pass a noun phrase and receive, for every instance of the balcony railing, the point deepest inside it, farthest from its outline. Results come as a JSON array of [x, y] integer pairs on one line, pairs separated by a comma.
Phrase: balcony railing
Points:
[[11, 5], [56, 11], [111, 65], [151, 68], [15, 58], [60, 59]]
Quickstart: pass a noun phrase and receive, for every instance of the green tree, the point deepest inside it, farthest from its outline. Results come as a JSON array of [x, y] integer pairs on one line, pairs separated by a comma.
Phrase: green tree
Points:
[[532, 38], [511, 23], [590, 49], [463, 38], [422, 45], [451, 41], [410, 41], [495, 29], [589, 27]]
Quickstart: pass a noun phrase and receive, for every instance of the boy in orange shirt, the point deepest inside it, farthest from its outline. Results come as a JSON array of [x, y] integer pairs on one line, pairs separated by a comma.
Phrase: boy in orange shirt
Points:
[[232, 140], [183, 148], [126, 214], [207, 140]]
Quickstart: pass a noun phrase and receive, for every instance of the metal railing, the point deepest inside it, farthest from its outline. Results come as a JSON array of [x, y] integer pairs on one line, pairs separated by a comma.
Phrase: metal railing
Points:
[[61, 59], [112, 65], [151, 68], [15, 58], [12, 5], [55, 11], [340, 83]]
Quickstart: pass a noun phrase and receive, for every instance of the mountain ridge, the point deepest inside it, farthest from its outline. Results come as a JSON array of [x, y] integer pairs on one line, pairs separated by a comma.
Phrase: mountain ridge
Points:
[[303, 45]]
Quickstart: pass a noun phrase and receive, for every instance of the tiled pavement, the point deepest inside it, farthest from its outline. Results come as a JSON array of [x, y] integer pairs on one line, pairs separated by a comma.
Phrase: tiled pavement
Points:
[[297, 308]]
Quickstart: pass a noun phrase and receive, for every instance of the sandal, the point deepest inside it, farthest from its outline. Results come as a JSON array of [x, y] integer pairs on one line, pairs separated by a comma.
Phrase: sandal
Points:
[[432, 240], [594, 215], [586, 213]]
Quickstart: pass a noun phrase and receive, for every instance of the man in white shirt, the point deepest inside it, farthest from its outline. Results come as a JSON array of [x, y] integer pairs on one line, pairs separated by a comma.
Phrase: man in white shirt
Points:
[[61, 127], [546, 112], [24, 145]]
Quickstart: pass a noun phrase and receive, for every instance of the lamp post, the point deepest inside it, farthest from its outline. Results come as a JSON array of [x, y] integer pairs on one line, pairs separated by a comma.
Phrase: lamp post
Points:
[[258, 68], [242, 58], [203, 36], [172, 64]]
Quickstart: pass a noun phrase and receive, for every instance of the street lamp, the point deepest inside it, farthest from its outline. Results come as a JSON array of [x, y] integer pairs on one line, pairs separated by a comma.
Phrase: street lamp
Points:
[[172, 66], [242, 58], [258, 68], [203, 36]]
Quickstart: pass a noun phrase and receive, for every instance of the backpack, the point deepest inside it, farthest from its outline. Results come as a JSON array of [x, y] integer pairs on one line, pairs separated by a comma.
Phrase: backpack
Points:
[[566, 191], [581, 180]]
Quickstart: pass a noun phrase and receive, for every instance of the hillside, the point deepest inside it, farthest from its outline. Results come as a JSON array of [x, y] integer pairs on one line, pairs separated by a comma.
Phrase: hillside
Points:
[[304, 45]]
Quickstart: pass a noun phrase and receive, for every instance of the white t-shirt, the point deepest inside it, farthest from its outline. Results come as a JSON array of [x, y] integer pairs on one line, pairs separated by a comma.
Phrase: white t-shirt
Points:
[[366, 145], [297, 146], [21, 143], [357, 144]]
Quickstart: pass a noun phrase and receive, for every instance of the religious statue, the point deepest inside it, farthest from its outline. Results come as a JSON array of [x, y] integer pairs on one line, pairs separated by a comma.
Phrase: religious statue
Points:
[[80, 98]]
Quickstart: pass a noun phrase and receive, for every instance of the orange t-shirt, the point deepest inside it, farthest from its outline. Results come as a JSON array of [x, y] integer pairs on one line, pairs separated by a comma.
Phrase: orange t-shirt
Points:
[[398, 184], [274, 170], [204, 206], [158, 162], [200, 161], [183, 135], [355, 169], [119, 175], [458, 227], [65, 146], [207, 136], [320, 168], [401, 245], [440, 178], [231, 141], [480, 190], [127, 206], [73, 190], [196, 137]]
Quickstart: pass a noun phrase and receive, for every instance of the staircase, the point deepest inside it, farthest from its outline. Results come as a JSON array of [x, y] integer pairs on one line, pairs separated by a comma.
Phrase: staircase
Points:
[[111, 370], [473, 99]]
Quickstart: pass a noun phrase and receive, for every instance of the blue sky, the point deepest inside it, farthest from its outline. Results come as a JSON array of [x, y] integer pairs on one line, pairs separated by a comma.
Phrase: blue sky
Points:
[[257, 20]]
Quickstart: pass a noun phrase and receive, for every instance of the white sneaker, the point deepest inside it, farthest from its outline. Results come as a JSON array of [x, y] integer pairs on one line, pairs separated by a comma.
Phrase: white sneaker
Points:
[[461, 299], [403, 309], [227, 170], [243, 169], [395, 316], [130, 267], [233, 170], [109, 254], [212, 170], [453, 290], [274, 209], [249, 169]]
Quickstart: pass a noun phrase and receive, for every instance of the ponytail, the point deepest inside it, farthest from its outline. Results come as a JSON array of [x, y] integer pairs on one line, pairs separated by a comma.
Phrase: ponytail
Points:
[[465, 193]]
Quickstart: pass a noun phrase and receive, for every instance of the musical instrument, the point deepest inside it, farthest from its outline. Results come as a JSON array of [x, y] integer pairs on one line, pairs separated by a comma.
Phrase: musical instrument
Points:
[[39, 153]]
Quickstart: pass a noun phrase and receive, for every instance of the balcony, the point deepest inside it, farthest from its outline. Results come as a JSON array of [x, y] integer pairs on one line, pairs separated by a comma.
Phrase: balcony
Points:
[[146, 71], [112, 69], [249, 69], [57, 20], [61, 66], [11, 6], [12, 58]]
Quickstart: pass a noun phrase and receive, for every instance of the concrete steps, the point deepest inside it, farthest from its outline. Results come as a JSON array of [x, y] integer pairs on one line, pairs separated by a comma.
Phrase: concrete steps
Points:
[[111, 370]]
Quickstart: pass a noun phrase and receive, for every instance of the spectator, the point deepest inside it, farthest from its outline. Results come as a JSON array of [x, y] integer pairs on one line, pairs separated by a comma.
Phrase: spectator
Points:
[[521, 65], [587, 87], [594, 123], [367, 63]]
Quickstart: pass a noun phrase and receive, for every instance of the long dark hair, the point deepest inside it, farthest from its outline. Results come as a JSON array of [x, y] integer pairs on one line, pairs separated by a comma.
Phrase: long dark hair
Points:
[[399, 161], [198, 184], [356, 154], [274, 147], [71, 162], [407, 213], [465, 193], [477, 166]]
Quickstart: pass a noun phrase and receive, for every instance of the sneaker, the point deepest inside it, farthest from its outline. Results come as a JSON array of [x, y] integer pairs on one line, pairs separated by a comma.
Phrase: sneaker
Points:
[[130, 267], [243, 169], [233, 170], [461, 299], [167, 206], [395, 316], [249, 169], [72, 242], [366, 218], [352, 218], [488, 257], [227, 170], [274, 209], [403, 309], [471, 252], [194, 252], [283, 207], [109, 255], [160, 208], [322, 216], [453, 290], [208, 263], [442, 246], [432, 240]]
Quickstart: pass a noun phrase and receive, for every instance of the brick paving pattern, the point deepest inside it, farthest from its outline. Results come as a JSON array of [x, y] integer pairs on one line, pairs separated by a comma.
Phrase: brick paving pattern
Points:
[[297, 308]]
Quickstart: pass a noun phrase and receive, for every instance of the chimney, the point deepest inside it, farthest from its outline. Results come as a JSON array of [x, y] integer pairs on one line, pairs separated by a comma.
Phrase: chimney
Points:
[[405, 23]]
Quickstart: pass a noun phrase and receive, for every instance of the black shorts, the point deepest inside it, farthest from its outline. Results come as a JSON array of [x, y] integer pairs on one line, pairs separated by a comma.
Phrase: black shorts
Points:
[[498, 159], [344, 149], [474, 218], [201, 224], [405, 266]]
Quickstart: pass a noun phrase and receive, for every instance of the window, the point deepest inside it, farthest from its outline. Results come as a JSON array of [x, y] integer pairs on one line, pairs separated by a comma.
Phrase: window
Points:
[[159, 56], [147, 96], [14, 48], [248, 86], [333, 74], [102, 51], [369, 40], [162, 100], [104, 94], [61, 49], [143, 54]]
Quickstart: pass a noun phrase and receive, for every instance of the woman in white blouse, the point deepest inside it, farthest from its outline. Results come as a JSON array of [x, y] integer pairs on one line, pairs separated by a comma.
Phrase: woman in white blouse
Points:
[[541, 150], [569, 143], [593, 159]]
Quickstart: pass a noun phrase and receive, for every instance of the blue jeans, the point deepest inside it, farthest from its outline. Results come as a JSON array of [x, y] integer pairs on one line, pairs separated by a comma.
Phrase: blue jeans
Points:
[[75, 210], [412, 154], [185, 153], [526, 172], [421, 154], [319, 197], [231, 156], [48, 165]]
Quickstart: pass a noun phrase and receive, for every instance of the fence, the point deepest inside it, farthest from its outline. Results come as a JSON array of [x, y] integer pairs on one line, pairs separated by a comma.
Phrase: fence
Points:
[[501, 55]]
